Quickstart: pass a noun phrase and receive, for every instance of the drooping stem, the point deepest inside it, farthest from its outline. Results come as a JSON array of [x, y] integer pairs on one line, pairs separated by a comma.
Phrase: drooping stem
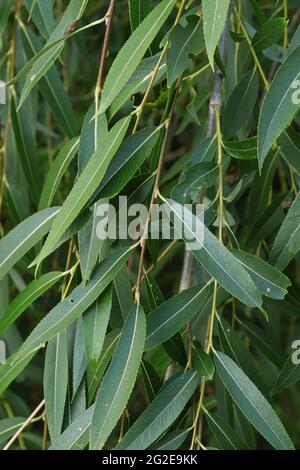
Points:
[[154, 73], [101, 71], [213, 127], [286, 30], [155, 191], [24, 425]]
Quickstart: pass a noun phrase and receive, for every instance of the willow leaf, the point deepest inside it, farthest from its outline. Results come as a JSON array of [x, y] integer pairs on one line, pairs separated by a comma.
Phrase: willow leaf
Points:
[[288, 376], [133, 51], [172, 315], [279, 106], [23, 237], [13, 367], [214, 257], [95, 321], [184, 41], [56, 172], [269, 280], [42, 16], [76, 436], [227, 438], [55, 383], [27, 296], [85, 185], [67, 311], [287, 241], [120, 378], [138, 10], [41, 66], [128, 159], [252, 403], [214, 17], [94, 376], [9, 426], [161, 413]]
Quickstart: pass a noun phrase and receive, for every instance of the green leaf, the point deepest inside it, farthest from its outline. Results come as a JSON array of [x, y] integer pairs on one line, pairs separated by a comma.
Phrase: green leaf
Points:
[[87, 144], [85, 185], [287, 241], [27, 296], [95, 321], [25, 143], [215, 258], [90, 245], [205, 151], [23, 237], [289, 143], [138, 10], [56, 172], [172, 315], [262, 186], [175, 349], [139, 82], [67, 311], [269, 33], [270, 282], [227, 438], [288, 376], [197, 177], [55, 383], [184, 41], [51, 86], [80, 363], [95, 376], [240, 104], [252, 403], [42, 16], [161, 413], [214, 18], [265, 342], [279, 106], [242, 149], [76, 436], [172, 440], [128, 159], [9, 426], [119, 380], [133, 51], [73, 11], [203, 363], [151, 380], [233, 346], [13, 367]]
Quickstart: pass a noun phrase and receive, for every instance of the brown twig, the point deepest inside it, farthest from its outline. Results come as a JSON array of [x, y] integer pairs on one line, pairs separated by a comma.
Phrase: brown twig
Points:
[[24, 425], [101, 71], [100, 78], [155, 192]]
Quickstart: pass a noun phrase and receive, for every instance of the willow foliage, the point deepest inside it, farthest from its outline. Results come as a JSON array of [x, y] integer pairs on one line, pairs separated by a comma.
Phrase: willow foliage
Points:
[[138, 340]]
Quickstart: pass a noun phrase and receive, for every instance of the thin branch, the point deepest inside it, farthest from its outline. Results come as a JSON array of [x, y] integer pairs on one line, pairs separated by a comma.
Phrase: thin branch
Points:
[[109, 18], [188, 262], [155, 191], [215, 103], [101, 71], [141, 107], [24, 425]]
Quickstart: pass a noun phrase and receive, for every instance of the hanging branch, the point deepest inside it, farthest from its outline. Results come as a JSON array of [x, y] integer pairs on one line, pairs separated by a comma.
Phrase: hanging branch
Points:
[[104, 53]]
